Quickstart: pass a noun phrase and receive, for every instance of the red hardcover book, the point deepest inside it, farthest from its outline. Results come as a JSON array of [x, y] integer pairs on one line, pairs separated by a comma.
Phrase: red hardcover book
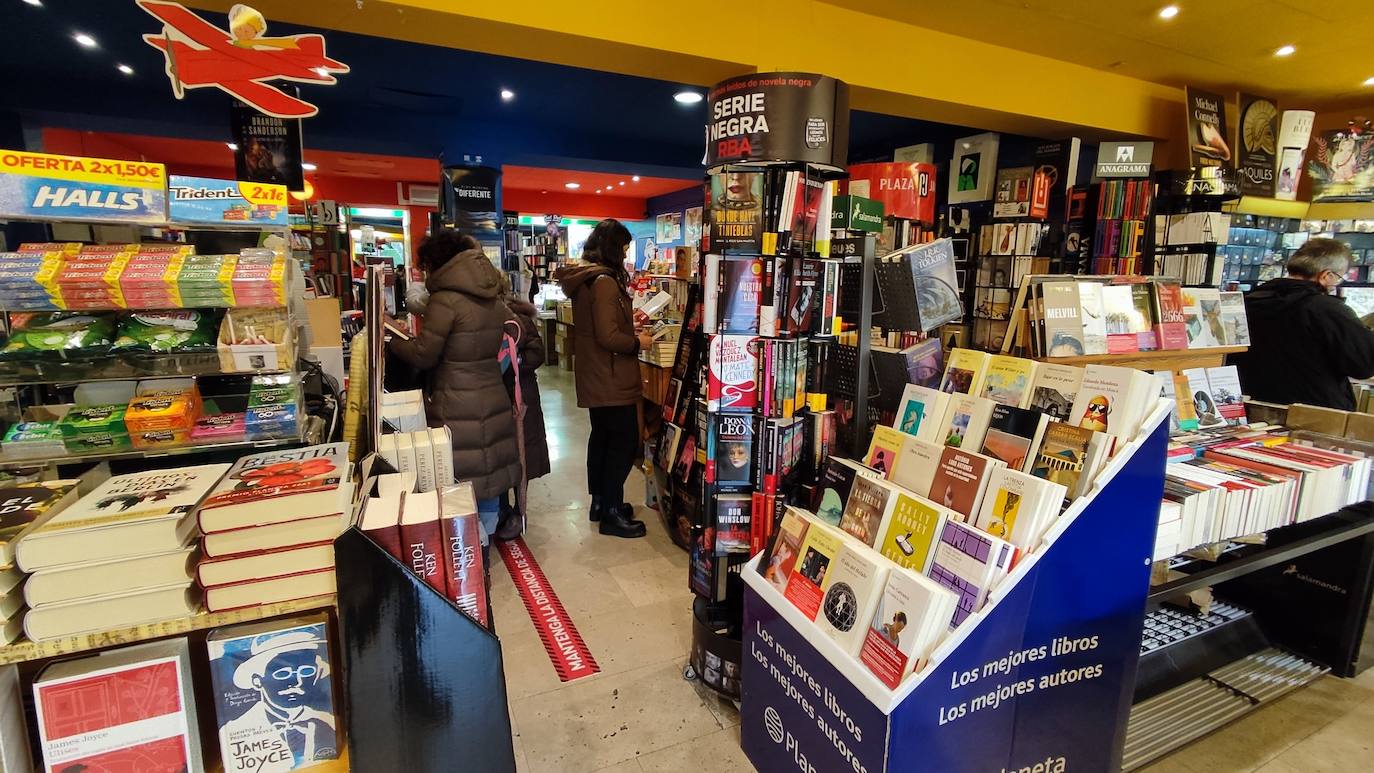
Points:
[[1171, 330], [422, 539], [463, 571], [382, 522]]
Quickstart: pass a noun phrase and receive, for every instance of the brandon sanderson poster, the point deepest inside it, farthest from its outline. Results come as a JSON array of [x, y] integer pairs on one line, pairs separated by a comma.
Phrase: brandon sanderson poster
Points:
[[787, 116], [268, 149]]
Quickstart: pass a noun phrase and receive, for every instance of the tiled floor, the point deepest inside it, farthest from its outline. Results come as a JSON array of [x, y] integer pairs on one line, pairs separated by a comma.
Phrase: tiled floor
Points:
[[629, 599]]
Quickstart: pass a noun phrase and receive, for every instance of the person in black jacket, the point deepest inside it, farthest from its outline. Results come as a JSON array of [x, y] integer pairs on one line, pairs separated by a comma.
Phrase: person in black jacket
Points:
[[1305, 344]]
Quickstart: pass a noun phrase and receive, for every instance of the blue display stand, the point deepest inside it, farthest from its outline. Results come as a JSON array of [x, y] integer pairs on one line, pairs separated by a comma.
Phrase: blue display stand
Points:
[[1039, 680]]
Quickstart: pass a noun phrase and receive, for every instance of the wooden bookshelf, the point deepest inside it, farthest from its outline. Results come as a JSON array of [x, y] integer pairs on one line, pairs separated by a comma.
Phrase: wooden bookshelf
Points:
[[22, 651], [1163, 359]]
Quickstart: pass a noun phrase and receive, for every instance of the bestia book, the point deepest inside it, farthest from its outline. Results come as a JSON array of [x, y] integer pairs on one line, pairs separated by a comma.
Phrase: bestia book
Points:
[[313, 478], [274, 701]]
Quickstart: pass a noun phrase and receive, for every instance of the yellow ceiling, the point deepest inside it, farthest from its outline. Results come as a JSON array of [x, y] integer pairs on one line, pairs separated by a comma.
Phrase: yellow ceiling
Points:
[[1222, 45]]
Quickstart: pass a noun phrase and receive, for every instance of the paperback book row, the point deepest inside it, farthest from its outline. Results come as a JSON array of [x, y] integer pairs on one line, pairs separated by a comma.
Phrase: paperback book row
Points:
[[1227, 484], [1126, 314], [150, 546], [135, 708], [773, 296], [72, 276], [775, 211], [157, 414], [425, 455], [1123, 214]]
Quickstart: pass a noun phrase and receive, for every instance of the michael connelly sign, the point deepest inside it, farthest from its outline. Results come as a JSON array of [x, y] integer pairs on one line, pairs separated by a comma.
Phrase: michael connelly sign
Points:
[[778, 116]]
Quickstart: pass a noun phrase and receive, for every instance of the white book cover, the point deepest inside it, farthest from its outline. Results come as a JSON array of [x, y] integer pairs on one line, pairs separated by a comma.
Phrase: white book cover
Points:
[[1204, 403], [405, 454], [910, 619], [969, 562], [423, 449], [1112, 400], [441, 440], [966, 421], [1019, 508], [921, 412], [1055, 388], [851, 591], [916, 465], [710, 283], [1094, 317], [386, 448], [1224, 383]]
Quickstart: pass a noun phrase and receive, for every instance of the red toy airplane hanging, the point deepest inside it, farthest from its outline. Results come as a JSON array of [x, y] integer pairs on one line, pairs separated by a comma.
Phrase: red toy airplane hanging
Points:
[[240, 61]]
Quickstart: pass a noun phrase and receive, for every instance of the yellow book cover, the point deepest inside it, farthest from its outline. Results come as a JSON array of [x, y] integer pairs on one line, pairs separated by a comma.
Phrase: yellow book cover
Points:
[[1008, 380], [910, 532], [884, 449], [818, 550], [965, 370]]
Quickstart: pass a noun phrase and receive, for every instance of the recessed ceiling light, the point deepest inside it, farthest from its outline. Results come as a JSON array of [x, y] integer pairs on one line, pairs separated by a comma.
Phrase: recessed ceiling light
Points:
[[688, 97], [1284, 51], [599, 192], [1168, 12], [307, 166], [36, 3], [507, 95], [635, 178], [1369, 81], [124, 68], [622, 182], [231, 146], [573, 186], [84, 39]]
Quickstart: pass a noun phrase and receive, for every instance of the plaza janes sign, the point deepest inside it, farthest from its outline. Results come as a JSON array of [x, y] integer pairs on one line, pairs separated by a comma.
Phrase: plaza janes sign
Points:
[[242, 61]]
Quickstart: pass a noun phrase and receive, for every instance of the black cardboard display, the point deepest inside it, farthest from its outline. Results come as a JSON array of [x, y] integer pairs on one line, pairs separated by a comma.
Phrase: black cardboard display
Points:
[[425, 685]]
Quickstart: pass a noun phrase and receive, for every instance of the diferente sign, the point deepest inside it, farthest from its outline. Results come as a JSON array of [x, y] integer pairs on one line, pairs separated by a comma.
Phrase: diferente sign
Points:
[[241, 61], [778, 116], [71, 188]]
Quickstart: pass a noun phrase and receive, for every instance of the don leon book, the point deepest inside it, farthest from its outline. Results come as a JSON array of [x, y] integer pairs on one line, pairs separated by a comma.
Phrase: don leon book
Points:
[[274, 699]]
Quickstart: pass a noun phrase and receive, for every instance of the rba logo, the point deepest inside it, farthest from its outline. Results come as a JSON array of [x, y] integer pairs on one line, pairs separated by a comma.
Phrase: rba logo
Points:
[[773, 723], [1125, 154]]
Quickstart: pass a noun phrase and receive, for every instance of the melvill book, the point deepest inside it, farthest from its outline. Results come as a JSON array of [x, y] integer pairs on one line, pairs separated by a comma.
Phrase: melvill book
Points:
[[910, 618], [273, 690], [126, 709], [279, 486], [852, 587], [133, 514], [910, 528], [1225, 389], [464, 574], [1062, 315]]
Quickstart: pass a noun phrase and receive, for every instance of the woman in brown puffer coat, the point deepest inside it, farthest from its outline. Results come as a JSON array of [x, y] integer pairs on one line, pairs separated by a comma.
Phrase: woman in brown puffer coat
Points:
[[606, 369], [458, 344]]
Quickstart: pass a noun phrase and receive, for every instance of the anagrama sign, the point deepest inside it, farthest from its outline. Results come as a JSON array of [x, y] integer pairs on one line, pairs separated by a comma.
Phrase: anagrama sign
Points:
[[778, 116], [1124, 159]]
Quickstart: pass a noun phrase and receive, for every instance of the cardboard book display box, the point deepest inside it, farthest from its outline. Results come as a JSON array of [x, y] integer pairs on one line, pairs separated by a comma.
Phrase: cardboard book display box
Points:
[[422, 678], [1041, 675]]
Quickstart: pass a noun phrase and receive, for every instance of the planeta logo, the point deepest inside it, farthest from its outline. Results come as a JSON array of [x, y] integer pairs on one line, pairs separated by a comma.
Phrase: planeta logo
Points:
[[1125, 154], [773, 723]]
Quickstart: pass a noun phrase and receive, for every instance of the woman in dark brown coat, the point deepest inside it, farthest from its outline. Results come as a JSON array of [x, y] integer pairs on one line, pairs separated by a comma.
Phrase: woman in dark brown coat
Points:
[[457, 347], [606, 370]]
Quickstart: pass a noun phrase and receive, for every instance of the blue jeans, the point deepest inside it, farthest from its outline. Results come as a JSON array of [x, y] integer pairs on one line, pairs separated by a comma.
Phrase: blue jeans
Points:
[[488, 513]]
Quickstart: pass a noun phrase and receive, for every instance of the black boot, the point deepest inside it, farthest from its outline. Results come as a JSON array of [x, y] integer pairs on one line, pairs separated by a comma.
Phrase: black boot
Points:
[[594, 514], [616, 522], [510, 526]]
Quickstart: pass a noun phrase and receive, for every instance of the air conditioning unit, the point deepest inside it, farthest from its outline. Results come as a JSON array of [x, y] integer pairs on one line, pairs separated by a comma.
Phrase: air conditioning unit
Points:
[[421, 195]]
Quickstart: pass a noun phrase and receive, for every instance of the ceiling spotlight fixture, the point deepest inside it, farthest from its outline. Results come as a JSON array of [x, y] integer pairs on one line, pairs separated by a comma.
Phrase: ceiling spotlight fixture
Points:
[[231, 146], [35, 3], [1168, 12], [1284, 51], [507, 95], [307, 166], [1369, 81], [124, 68], [84, 39], [635, 178], [622, 182], [688, 97], [599, 192], [572, 186]]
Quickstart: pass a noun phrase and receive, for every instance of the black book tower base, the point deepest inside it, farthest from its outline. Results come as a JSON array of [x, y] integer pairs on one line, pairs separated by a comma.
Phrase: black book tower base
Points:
[[425, 682]]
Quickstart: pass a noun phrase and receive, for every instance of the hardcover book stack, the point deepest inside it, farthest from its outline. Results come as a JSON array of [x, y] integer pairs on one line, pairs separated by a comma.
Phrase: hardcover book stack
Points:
[[121, 556], [24, 508], [269, 527]]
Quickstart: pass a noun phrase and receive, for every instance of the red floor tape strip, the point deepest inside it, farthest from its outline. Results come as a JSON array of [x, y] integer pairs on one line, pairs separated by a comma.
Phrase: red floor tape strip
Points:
[[569, 654]]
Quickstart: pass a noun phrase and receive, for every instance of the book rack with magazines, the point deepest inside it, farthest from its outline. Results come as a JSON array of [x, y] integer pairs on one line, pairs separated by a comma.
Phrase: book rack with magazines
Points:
[[1146, 322], [869, 670]]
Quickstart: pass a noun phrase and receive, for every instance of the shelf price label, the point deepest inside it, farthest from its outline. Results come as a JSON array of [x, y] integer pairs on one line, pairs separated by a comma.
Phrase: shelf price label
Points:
[[209, 200], [52, 187]]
